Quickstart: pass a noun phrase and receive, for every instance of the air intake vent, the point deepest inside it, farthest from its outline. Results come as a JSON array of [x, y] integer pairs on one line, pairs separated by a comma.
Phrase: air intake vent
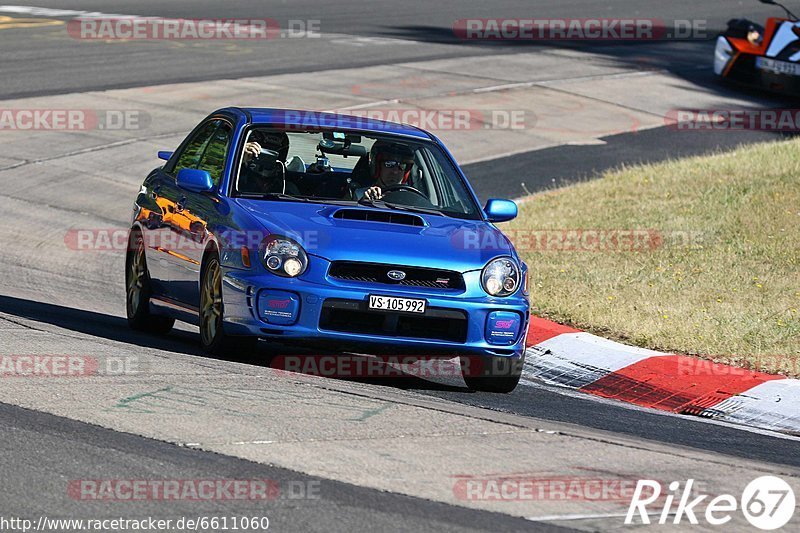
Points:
[[351, 317], [389, 217]]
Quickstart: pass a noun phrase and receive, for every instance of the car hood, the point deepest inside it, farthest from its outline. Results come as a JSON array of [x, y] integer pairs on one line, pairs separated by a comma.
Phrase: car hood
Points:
[[442, 242]]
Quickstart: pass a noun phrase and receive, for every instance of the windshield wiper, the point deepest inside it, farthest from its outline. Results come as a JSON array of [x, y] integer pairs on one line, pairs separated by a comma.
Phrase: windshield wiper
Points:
[[409, 208], [273, 196], [291, 198], [424, 210]]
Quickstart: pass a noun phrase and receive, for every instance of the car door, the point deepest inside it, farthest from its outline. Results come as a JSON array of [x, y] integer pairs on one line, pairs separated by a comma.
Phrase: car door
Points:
[[154, 229], [193, 214], [172, 242]]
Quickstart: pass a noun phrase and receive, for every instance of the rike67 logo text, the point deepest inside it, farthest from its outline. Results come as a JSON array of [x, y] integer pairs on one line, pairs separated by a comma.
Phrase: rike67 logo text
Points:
[[767, 503]]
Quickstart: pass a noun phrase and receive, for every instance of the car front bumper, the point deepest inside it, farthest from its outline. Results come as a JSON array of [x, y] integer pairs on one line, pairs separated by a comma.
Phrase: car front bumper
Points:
[[334, 313], [744, 71]]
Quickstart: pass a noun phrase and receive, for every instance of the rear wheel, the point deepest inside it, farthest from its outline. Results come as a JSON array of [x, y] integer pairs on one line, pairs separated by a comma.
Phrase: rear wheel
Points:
[[492, 373], [138, 291], [212, 331]]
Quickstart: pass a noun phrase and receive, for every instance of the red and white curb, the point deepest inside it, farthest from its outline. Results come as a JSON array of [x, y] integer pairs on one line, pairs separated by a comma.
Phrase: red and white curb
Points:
[[559, 355]]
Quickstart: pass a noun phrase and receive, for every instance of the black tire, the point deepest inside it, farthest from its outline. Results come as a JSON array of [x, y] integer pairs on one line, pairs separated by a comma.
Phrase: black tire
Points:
[[138, 291], [213, 338], [492, 373]]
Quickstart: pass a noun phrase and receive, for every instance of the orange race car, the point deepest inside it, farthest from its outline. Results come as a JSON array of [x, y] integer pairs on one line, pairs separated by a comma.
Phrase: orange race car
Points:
[[766, 57]]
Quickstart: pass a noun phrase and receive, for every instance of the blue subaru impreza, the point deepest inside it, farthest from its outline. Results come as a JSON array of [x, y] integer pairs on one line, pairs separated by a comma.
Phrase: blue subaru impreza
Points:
[[347, 232]]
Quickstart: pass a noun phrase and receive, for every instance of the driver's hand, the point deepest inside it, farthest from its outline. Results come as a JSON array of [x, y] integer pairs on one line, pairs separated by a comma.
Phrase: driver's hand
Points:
[[251, 150], [373, 193]]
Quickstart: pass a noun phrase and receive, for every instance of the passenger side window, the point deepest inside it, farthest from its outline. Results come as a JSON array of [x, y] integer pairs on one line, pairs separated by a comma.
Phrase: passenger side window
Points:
[[192, 152], [213, 160]]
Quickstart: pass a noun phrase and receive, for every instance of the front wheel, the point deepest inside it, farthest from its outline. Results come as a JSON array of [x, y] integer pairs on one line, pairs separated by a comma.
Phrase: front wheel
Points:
[[492, 373], [138, 291], [213, 338]]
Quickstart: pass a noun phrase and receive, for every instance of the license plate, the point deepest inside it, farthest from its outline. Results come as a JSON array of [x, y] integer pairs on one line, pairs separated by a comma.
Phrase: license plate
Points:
[[780, 67], [392, 303]]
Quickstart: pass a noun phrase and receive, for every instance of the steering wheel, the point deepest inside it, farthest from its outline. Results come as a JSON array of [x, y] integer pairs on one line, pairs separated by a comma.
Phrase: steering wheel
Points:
[[408, 188]]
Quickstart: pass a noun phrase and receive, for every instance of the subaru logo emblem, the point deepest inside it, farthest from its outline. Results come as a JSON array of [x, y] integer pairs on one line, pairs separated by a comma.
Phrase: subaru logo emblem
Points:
[[396, 275]]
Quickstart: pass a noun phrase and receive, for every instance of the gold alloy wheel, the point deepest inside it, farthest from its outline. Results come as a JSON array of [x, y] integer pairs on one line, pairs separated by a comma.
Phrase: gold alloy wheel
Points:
[[211, 303], [137, 273]]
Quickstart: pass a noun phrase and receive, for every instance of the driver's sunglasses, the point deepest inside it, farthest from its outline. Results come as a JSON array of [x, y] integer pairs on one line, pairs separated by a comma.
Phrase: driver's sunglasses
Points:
[[404, 165]]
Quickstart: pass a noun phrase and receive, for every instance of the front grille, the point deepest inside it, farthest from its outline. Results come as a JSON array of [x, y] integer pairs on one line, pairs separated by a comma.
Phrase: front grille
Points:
[[351, 316], [414, 276]]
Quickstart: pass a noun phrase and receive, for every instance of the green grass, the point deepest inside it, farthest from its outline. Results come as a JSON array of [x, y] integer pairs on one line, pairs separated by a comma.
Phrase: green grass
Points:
[[725, 281]]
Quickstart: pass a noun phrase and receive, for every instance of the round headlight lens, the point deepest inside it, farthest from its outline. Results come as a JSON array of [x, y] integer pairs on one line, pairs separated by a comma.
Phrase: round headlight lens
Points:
[[493, 286], [292, 267], [273, 262], [283, 256], [501, 277]]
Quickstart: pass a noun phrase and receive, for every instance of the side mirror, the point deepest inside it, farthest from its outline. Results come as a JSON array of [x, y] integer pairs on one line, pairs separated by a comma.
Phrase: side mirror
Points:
[[195, 180], [500, 210], [165, 155]]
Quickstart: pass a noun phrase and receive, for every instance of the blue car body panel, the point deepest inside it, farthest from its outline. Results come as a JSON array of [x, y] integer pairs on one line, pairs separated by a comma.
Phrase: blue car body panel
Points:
[[181, 226]]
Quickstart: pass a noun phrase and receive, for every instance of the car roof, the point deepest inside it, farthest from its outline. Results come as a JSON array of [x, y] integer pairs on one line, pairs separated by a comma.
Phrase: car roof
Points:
[[332, 121]]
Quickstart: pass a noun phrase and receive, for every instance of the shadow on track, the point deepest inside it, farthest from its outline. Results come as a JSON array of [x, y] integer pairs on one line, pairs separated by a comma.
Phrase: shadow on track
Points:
[[185, 343], [689, 58]]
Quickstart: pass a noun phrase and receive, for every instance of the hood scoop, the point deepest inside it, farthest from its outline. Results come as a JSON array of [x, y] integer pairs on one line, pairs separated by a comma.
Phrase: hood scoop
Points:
[[387, 217]]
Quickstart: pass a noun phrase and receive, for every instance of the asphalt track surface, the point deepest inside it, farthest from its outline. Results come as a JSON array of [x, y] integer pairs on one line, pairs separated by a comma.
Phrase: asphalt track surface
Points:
[[562, 165], [64, 445], [34, 444], [47, 61]]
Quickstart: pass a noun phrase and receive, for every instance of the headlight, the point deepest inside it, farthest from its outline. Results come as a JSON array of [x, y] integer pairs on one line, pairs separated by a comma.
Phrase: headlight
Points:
[[722, 55], [501, 277], [283, 256]]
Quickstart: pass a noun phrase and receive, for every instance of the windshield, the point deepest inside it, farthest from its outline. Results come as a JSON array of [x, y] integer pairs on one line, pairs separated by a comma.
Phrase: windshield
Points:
[[387, 172]]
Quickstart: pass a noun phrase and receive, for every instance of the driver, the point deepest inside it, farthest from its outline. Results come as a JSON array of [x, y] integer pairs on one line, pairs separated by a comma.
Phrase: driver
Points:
[[390, 165]]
